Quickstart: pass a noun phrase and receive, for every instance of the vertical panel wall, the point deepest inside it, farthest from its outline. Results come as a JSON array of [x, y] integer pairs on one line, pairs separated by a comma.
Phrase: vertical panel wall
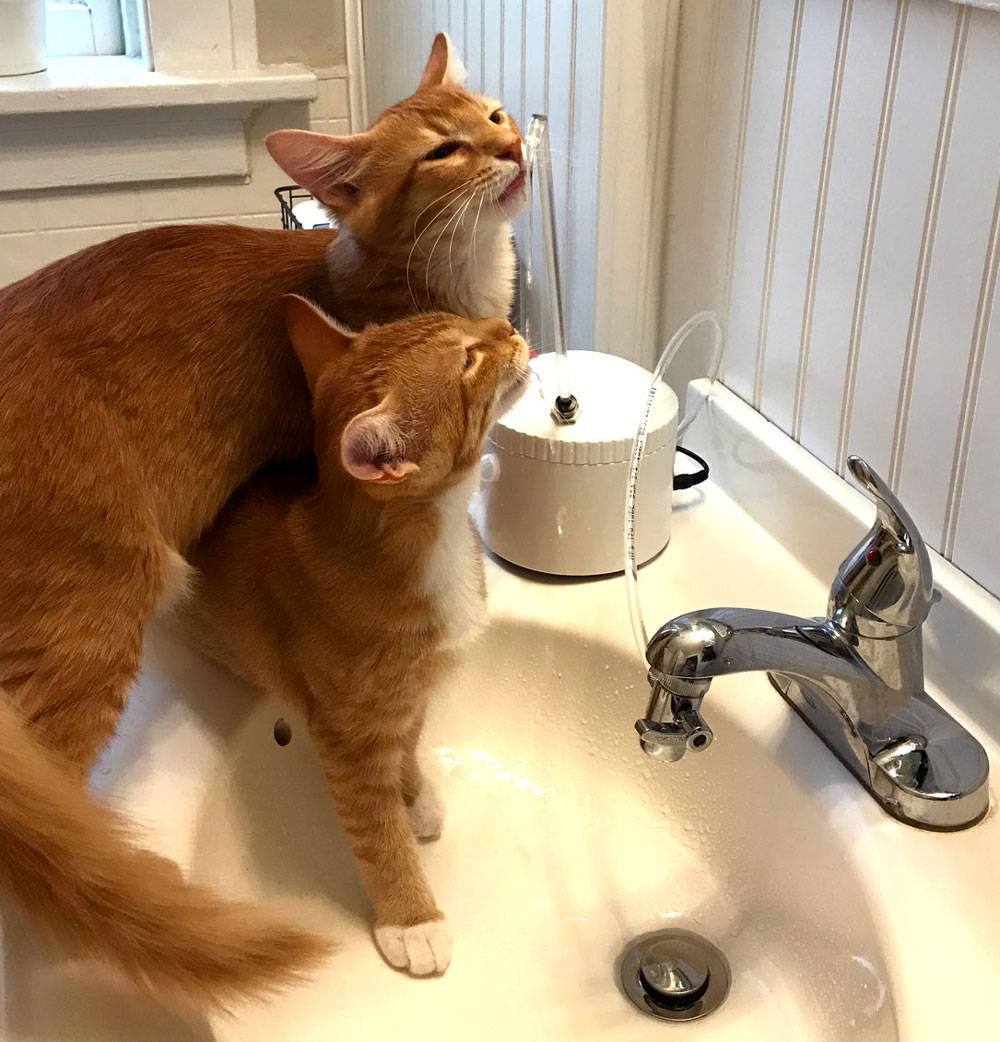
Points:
[[835, 195]]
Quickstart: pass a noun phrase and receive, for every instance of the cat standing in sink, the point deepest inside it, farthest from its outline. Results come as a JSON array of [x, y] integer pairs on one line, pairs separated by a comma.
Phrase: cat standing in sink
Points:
[[347, 597]]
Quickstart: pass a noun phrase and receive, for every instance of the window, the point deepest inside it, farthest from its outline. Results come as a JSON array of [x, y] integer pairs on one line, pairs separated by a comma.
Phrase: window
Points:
[[84, 27]]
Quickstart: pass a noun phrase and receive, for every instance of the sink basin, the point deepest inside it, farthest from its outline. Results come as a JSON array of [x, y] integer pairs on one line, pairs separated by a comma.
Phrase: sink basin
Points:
[[562, 841]]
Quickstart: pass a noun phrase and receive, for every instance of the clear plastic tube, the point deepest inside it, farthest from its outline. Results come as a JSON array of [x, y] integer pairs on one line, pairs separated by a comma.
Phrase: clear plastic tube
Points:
[[639, 448], [526, 252], [539, 157]]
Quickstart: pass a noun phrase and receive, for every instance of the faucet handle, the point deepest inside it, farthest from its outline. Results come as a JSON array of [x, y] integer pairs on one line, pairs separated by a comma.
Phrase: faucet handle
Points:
[[884, 586]]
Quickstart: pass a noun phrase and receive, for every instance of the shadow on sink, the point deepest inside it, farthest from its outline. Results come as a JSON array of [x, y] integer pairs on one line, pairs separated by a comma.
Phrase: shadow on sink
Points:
[[47, 999]]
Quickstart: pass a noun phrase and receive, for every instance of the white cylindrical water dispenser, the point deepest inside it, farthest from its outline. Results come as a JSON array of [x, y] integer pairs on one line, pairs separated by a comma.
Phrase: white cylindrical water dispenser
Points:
[[557, 476], [552, 493]]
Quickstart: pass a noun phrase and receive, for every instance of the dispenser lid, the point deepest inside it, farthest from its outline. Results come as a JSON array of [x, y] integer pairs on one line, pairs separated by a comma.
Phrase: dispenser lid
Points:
[[612, 393]]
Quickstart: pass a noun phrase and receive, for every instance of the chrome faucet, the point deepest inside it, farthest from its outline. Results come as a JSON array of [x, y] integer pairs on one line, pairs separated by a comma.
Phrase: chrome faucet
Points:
[[856, 678]]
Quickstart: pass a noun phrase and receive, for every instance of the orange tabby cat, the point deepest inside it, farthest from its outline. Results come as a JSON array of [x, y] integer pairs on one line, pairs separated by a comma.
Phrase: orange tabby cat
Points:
[[141, 381], [347, 598]]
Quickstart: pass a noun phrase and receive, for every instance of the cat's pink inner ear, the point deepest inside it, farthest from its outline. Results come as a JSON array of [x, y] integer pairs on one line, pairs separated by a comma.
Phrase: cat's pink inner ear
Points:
[[373, 448], [328, 167], [444, 67]]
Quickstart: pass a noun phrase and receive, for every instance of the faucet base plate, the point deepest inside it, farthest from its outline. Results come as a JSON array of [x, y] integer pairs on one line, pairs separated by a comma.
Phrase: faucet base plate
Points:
[[920, 764]]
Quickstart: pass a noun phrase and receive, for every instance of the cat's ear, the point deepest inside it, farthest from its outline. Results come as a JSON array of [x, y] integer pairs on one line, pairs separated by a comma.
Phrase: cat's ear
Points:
[[316, 338], [329, 167], [372, 447], [444, 67]]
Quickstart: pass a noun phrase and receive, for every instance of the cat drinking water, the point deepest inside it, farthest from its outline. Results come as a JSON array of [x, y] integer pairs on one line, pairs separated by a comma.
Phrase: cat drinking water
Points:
[[349, 597]]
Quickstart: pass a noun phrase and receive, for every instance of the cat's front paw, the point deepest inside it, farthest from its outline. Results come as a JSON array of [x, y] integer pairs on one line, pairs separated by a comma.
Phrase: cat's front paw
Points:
[[427, 813], [421, 950]]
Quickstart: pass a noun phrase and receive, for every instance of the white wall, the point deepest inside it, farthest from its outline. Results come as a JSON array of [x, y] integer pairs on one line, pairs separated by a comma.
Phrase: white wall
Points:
[[835, 195], [311, 32], [42, 226]]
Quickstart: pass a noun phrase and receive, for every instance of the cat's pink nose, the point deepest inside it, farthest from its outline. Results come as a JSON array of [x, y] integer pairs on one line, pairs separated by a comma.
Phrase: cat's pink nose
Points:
[[512, 151]]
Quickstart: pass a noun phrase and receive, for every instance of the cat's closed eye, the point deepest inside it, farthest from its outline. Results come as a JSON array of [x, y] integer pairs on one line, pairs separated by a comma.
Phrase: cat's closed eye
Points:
[[471, 358], [443, 151]]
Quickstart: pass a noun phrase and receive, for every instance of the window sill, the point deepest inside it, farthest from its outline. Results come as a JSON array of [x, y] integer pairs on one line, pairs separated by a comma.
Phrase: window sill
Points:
[[99, 84], [89, 121]]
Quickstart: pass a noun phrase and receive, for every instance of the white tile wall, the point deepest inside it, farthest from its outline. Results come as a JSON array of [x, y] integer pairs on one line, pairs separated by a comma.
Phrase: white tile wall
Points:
[[839, 204], [39, 227]]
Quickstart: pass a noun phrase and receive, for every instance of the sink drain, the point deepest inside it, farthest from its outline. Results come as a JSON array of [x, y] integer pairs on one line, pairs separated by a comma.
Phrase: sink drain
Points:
[[674, 975]]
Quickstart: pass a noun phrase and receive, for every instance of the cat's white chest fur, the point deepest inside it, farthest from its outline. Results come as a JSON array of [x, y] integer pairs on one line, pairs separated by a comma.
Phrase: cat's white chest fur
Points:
[[452, 576], [475, 277]]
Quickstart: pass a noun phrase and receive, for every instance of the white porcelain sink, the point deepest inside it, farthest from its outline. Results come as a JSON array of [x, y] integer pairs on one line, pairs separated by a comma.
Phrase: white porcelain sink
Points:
[[562, 842]]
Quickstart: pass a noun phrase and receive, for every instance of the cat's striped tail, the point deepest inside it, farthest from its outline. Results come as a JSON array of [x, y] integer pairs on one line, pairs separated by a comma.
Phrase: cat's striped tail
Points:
[[69, 863]]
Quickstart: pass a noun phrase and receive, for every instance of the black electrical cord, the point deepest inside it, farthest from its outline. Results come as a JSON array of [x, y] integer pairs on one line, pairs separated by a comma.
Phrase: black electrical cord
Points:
[[697, 477]]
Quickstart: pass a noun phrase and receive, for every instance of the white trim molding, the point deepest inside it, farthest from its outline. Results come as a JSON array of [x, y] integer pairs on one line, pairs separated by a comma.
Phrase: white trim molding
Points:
[[88, 121], [357, 91], [118, 82], [176, 112], [64, 151]]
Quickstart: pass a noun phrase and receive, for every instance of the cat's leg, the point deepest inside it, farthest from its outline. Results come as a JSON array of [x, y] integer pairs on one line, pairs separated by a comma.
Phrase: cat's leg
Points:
[[424, 805], [69, 666], [363, 769]]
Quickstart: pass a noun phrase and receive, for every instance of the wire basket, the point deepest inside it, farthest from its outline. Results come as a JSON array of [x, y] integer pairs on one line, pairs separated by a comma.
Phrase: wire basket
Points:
[[287, 197]]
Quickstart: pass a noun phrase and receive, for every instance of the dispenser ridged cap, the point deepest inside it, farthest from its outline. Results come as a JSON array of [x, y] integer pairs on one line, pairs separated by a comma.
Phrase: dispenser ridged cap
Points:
[[612, 392]]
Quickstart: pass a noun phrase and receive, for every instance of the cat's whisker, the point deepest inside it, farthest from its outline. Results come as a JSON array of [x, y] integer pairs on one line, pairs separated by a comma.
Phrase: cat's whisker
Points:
[[433, 202], [430, 224], [451, 243], [430, 256], [472, 238], [371, 281]]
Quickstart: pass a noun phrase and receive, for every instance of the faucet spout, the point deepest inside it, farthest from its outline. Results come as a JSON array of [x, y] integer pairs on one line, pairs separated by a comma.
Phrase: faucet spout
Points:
[[673, 723], [719, 641], [856, 678]]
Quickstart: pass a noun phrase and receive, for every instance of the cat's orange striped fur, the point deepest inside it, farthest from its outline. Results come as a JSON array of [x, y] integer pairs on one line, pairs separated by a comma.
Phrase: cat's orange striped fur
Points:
[[348, 598], [141, 381]]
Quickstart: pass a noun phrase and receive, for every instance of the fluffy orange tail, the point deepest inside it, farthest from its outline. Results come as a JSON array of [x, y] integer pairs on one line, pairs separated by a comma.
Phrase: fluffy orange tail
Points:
[[67, 860]]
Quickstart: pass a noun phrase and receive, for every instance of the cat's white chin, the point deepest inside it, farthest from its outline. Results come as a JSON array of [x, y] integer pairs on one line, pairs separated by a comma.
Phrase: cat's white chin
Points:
[[511, 205], [421, 950]]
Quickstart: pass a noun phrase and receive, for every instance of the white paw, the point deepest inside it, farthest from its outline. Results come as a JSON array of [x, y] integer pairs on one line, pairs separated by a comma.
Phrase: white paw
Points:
[[427, 813], [422, 949]]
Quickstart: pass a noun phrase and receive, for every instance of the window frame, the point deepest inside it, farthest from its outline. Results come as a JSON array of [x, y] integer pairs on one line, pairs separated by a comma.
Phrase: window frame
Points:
[[103, 18]]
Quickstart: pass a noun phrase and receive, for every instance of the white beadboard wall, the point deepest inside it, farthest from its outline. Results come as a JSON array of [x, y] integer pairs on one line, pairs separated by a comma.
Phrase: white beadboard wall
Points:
[[835, 195], [39, 227]]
